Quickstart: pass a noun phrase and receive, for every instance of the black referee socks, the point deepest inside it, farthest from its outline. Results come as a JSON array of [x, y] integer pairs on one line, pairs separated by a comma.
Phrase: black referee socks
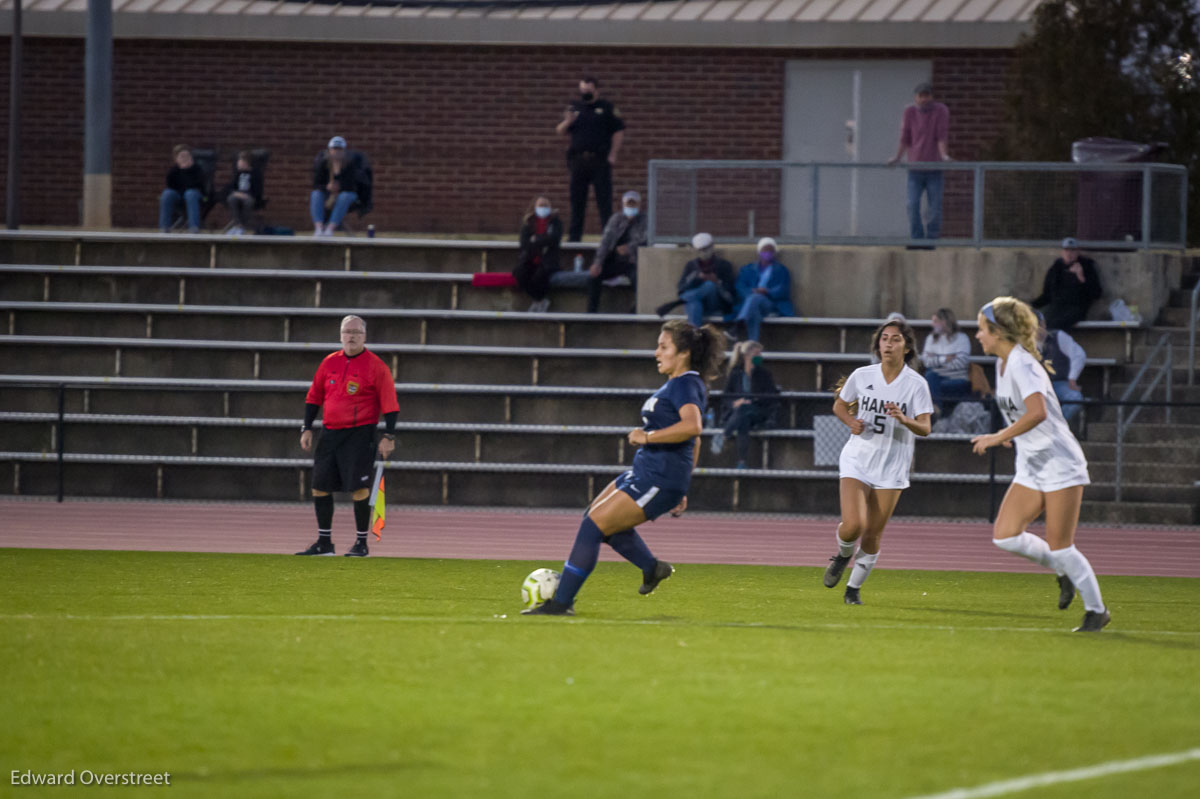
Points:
[[362, 517], [324, 507]]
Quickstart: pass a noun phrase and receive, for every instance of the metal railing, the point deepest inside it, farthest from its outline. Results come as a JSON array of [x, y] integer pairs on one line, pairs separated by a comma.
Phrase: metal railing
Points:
[[1162, 375], [985, 203], [1192, 334]]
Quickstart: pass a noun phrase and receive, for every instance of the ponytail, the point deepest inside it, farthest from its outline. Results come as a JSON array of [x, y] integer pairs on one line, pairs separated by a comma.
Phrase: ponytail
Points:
[[1018, 323], [704, 345]]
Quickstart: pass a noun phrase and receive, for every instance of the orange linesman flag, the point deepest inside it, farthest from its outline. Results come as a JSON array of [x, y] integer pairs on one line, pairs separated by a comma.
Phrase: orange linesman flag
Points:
[[378, 505]]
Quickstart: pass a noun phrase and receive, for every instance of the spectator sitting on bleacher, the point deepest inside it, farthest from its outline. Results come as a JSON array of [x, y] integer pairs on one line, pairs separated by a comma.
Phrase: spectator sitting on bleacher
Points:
[[750, 399], [1067, 358], [616, 257], [1071, 285], [335, 187], [946, 357], [243, 193], [541, 235], [185, 184], [706, 286], [764, 288]]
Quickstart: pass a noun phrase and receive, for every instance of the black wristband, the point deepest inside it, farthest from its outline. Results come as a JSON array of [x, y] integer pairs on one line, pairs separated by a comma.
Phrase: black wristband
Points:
[[389, 436]]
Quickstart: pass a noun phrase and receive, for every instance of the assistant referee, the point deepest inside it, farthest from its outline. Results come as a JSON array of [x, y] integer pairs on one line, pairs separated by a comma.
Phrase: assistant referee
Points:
[[355, 387]]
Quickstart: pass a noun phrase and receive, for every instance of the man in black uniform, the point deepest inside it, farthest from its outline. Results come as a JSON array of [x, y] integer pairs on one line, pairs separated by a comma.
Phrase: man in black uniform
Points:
[[596, 130]]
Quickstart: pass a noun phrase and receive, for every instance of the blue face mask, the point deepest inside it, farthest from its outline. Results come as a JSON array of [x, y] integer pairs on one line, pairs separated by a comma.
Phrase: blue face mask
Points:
[[542, 211], [756, 360], [630, 212], [766, 256]]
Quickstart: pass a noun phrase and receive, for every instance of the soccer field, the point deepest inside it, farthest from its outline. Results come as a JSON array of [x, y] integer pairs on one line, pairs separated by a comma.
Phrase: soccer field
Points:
[[270, 676]]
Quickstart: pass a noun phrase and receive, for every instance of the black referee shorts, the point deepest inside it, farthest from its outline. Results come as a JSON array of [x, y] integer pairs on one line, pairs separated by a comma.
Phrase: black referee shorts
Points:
[[345, 459]]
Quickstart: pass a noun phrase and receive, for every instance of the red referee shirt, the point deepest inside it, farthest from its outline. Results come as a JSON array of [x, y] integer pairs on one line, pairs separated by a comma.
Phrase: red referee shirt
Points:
[[355, 391]]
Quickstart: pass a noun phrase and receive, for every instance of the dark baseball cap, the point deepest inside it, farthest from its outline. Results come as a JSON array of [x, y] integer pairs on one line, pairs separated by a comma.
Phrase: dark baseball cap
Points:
[[925, 87]]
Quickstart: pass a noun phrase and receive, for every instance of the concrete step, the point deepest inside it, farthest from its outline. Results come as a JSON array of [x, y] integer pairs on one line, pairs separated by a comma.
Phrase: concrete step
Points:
[[1181, 455], [766, 451], [729, 491], [1175, 316], [1100, 512], [1139, 433], [1175, 475]]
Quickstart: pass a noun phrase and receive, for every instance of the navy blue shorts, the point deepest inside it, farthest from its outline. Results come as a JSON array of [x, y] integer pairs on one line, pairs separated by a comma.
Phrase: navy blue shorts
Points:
[[653, 500]]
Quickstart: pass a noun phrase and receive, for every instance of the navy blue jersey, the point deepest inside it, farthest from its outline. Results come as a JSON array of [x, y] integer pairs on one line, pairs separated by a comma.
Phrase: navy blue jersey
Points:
[[669, 464]]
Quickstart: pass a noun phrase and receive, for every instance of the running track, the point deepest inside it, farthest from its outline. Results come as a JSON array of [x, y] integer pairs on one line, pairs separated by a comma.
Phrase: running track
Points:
[[543, 535]]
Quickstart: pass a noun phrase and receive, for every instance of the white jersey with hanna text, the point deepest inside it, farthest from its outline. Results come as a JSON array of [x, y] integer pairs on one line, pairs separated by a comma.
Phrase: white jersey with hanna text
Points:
[[1048, 456], [881, 456]]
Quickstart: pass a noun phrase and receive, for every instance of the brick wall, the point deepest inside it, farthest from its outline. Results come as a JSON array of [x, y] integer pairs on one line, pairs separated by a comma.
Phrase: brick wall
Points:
[[460, 137]]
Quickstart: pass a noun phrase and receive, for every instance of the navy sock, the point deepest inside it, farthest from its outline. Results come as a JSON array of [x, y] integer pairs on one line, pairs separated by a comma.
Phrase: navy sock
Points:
[[582, 560], [324, 506], [630, 546]]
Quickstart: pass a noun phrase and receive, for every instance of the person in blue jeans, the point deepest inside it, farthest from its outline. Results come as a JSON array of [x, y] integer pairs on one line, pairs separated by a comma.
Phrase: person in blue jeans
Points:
[[706, 285], [924, 137], [947, 360], [186, 185], [335, 187], [764, 288], [1067, 359]]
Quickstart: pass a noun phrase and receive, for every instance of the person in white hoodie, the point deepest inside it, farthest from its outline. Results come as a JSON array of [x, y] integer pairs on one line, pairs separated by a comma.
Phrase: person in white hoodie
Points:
[[946, 357]]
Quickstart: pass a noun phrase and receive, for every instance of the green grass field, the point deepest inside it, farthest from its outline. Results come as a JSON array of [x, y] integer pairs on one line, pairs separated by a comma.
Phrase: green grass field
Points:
[[272, 676]]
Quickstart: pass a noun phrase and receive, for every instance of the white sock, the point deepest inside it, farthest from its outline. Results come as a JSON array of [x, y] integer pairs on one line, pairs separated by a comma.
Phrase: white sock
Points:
[[1073, 564], [1030, 546], [845, 548], [862, 569]]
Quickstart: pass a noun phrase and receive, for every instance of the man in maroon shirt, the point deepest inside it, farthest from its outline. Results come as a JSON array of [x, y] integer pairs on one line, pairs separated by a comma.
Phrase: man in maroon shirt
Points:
[[355, 387], [924, 135]]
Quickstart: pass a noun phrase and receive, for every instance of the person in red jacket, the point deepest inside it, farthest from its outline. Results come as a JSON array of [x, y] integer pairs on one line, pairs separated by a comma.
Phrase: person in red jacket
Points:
[[355, 387]]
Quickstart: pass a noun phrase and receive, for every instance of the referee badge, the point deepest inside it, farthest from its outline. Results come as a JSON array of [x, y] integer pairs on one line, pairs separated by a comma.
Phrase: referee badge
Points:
[[351, 387]]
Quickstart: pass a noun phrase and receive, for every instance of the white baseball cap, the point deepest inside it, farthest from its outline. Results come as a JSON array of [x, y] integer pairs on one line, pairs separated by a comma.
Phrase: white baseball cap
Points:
[[702, 240], [766, 242], [337, 142]]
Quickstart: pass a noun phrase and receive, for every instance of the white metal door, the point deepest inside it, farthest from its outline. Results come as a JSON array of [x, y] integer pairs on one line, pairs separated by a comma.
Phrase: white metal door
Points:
[[836, 111]]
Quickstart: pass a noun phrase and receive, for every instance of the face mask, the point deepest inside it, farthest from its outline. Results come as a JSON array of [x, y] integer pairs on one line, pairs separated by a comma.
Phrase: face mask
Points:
[[588, 97], [542, 211], [766, 256], [756, 360], [630, 212], [706, 254]]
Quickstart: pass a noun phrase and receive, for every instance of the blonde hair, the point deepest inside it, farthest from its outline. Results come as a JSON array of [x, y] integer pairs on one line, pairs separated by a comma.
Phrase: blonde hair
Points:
[[738, 353], [1016, 322]]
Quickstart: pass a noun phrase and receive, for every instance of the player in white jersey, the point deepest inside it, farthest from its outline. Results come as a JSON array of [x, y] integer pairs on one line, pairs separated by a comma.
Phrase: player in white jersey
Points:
[[884, 405], [1051, 469]]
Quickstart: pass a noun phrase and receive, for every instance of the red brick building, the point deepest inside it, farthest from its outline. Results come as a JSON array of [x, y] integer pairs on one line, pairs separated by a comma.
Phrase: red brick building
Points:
[[456, 107]]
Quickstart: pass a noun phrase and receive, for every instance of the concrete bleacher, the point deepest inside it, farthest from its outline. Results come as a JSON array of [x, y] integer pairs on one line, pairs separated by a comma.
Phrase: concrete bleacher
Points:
[[187, 380]]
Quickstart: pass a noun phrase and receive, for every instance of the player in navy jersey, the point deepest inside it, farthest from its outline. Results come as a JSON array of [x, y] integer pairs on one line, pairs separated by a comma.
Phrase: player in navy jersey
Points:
[[885, 405], [669, 441]]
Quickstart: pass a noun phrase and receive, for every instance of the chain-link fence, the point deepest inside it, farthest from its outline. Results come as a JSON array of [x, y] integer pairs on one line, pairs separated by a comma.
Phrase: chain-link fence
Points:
[[983, 204]]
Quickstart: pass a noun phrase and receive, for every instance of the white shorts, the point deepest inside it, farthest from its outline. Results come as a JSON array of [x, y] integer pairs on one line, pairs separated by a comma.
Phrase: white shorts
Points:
[[1057, 483], [1055, 474], [848, 467]]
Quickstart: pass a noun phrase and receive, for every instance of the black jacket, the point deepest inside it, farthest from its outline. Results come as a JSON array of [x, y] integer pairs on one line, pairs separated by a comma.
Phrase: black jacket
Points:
[[545, 246], [762, 387], [183, 179], [725, 281], [1063, 289], [351, 178]]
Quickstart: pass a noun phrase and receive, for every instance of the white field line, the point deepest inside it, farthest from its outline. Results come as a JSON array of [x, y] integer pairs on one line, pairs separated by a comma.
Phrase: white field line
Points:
[[495, 618], [1004, 787]]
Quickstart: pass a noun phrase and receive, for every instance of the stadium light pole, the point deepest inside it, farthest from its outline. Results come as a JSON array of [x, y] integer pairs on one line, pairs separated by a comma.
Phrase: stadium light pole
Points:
[[97, 141], [13, 196]]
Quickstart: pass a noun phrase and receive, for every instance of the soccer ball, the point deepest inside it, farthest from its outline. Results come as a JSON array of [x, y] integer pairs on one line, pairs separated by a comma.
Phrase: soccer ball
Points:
[[539, 586]]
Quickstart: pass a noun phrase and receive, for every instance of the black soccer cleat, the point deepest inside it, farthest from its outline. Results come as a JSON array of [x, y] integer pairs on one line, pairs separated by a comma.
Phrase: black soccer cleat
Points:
[[324, 546], [359, 550], [1093, 622], [1066, 592], [833, 572], [550, 607], [852, 597], [662, 570]]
